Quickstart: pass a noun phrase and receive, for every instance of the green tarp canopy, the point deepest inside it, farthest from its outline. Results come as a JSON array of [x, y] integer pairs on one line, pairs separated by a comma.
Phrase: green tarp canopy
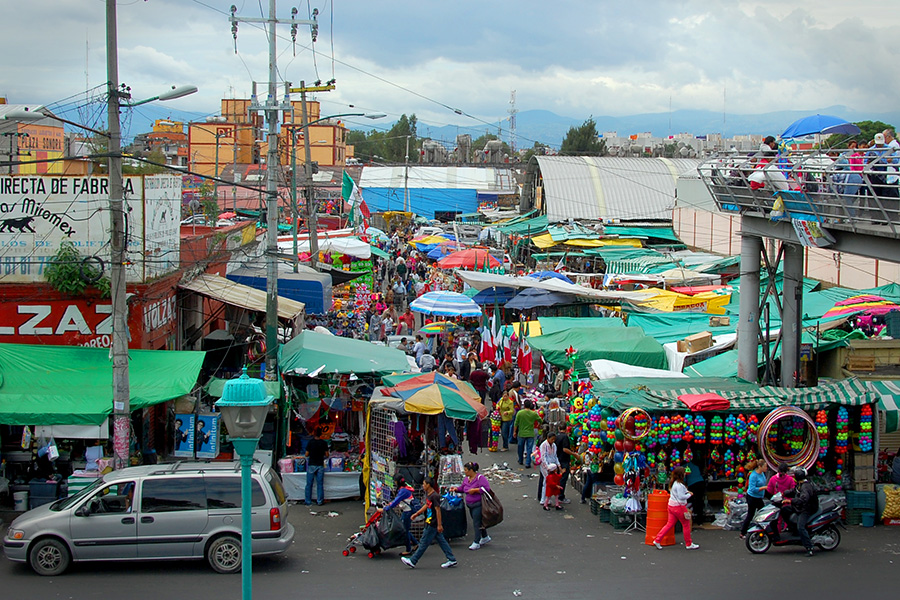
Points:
[[312, 351], [379, 252], [627, 345], [662, 233], [662, 394], [529, 227], [553, 324], [72, 385], [888, 393]]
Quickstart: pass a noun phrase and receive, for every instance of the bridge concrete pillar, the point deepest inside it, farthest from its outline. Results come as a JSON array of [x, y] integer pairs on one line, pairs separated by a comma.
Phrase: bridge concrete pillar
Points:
[[792, 303], [748, 327]]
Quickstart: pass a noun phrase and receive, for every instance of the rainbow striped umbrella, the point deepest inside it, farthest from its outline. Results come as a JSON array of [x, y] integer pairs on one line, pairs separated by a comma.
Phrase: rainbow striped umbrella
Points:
[[438, 327], [864, 303]]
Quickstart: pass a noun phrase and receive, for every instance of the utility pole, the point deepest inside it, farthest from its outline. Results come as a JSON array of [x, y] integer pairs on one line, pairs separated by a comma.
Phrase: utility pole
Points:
[[118, 244], [406, 178], [271, 110]]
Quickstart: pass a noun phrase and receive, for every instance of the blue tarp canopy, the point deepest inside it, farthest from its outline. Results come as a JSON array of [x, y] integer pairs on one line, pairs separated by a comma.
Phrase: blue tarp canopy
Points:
[[423, 202]]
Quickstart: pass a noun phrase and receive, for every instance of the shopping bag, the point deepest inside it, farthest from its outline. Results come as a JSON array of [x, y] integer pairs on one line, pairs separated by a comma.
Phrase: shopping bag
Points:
[[453, 517], [491, 509], [536, 456], [52, 450], [371, 538], [392, 531]]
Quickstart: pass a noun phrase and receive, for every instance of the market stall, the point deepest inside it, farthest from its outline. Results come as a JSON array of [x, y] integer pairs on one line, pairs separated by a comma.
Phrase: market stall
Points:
[[415, 428], [717, 425], [328, 381]]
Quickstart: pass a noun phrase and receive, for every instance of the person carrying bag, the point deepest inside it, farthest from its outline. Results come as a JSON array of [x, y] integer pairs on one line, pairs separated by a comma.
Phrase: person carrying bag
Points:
[[491, 509]]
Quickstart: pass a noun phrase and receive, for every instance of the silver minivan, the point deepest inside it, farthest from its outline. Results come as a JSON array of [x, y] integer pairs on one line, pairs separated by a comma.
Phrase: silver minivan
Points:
[[175, 511]]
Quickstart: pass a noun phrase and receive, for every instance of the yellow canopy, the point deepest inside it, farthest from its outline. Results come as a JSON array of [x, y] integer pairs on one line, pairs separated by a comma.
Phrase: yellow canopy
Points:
[[668, 301], [532, 327], [546, 241]]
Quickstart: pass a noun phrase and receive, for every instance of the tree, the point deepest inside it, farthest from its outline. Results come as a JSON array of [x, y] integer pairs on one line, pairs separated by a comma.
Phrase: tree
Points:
[[393, 145], [70, 273], [583, 140], [538, 149], [867, 131]]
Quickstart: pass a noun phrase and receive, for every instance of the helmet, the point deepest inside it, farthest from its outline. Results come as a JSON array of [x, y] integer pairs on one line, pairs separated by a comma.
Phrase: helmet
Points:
[[799, 474]]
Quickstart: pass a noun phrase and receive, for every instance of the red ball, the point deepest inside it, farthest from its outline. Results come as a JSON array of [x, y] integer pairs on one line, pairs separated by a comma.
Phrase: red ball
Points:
[[619, 480], [619, 446], [629, 445]]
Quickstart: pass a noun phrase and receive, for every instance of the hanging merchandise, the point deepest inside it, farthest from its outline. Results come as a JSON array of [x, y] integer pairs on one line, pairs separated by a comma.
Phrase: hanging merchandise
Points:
[[677, 429], [688, 429], [729, 464], [731, 430], [688, 455], [675, 458], [635, 424], [717, 430], [842, 426], [822, 430], [650, 441], [741, 429], [495, 431], [664, 430], [865, 429], [752, 428], [805, 457], [700, 429]]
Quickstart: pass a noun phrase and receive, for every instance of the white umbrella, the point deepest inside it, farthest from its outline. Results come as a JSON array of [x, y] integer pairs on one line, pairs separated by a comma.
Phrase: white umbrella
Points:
[[445, 304]]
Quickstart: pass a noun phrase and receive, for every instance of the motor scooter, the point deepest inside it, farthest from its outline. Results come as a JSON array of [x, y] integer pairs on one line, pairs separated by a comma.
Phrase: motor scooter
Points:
[[764, 531]]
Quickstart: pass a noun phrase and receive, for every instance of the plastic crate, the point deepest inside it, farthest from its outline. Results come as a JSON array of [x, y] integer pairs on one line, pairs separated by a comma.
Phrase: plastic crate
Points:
[[892, 322], [44, 488], [35, 501], [595, 506], [605, 515], [853, 516], [861, 500]]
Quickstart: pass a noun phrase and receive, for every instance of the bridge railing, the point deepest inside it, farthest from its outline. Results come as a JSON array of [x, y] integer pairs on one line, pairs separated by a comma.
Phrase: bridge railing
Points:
[[853, 189]]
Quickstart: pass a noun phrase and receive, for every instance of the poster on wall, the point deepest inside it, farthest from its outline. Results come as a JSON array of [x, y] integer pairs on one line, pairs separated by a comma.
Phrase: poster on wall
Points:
[[184, 435], [206, 436]]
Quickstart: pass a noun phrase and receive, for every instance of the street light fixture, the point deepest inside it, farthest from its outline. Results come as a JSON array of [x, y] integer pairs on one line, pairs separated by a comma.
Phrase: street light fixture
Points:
[[244, 405], [312, 215]]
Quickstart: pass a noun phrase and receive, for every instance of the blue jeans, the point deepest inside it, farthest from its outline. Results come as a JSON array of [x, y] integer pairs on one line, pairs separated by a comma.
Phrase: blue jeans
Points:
[[429, 535], [477, 527], [505, 433], [407, 524], [526, 447], [317, 473]]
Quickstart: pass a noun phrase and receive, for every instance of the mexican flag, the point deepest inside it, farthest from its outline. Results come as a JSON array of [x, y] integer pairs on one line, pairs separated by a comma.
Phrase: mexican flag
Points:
[[351, 194]]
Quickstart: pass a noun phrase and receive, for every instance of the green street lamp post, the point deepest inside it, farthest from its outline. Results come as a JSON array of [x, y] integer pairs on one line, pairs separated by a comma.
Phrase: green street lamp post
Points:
[[244, 405]]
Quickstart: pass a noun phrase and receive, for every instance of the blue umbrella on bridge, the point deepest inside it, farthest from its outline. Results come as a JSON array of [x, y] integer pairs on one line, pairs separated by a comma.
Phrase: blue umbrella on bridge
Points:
[[823, 124]]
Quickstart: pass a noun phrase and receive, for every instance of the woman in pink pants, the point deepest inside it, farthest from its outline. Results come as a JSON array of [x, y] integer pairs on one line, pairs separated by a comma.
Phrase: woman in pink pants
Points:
[[678, 510]]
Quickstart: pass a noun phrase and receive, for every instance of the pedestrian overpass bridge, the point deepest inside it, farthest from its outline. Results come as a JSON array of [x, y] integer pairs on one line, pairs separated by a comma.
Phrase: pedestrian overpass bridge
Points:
[[848, 201]]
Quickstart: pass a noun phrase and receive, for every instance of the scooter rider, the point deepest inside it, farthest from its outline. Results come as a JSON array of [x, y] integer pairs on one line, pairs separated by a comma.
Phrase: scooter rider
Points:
[[805, 503]]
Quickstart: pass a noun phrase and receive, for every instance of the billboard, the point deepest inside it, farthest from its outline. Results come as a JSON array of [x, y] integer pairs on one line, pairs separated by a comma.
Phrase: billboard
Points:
[[38, 213]]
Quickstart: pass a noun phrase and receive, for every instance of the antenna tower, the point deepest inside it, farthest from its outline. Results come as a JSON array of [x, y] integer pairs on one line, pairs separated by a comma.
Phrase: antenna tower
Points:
[[512, 121]]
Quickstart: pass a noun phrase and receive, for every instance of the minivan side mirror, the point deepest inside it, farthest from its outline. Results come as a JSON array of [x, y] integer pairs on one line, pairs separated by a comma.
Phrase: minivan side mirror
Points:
[[82, 511]]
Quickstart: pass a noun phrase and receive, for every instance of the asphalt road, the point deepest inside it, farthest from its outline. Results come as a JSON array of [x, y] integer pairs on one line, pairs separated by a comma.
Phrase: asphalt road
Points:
[[564, 554]]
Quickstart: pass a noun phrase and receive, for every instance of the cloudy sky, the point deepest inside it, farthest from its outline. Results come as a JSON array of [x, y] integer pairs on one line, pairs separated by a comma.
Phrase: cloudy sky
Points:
[[573, 57]]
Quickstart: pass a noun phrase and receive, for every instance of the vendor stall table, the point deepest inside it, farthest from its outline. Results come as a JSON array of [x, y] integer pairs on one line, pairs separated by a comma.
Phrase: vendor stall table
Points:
[[338, 485]]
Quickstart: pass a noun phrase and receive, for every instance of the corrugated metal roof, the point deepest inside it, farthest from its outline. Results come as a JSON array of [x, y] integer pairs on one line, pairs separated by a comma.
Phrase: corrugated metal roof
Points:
[[595, 188], [243, 296], [482, 179]]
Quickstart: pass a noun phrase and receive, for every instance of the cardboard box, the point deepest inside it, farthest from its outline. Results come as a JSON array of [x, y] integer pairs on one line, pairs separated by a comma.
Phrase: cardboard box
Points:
[[719, 321], [861, 363], [864, 459], [861, 474], [864, 486], [695, 343]]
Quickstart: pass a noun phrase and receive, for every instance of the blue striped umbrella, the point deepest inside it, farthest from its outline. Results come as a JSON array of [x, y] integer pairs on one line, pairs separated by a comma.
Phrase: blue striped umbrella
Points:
[[445, 304]]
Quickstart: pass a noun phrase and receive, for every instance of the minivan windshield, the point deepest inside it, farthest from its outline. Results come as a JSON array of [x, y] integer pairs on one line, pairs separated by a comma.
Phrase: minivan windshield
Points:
[[66, 503]]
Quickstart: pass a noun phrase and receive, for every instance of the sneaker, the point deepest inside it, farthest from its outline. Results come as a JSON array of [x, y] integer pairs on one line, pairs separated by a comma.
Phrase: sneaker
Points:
[[449, 564], [583, 501], [809, 552], [691, 547], [408, 562], [475, 546], [485, 540], [658, 545], [565, 501]]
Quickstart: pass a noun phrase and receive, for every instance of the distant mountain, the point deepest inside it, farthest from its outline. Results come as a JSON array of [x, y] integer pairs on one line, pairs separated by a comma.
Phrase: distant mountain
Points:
[[550, 128]]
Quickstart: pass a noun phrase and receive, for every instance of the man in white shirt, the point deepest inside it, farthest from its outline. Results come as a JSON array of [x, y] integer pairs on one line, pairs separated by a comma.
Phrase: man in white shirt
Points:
[[461, 352], [894, 145], [419, 349]]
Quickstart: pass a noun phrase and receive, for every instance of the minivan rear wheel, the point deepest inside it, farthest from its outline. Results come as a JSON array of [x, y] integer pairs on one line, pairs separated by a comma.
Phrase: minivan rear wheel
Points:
[[49, 557], [224, 554]]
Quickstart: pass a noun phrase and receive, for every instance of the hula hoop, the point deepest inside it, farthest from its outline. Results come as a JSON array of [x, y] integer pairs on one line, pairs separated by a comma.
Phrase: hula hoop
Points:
[[620, 423], [807, 455]]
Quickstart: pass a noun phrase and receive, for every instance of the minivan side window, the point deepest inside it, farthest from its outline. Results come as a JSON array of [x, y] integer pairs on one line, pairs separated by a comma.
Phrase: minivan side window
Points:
[[169, 494], [225, 492]]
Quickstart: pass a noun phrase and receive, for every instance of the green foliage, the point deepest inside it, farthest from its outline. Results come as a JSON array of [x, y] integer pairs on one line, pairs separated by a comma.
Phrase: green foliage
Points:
[[70, 274], [208, 201], [867, 131], [142, 168], [387, 146], [538, 149], [583, 140]]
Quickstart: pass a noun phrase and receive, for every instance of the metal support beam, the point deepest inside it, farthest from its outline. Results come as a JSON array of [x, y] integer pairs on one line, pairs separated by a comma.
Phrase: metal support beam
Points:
[[792, 292], [748, 327]]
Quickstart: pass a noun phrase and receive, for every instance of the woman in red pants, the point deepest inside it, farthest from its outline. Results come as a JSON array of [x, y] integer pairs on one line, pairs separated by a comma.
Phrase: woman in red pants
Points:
[[678, 511]]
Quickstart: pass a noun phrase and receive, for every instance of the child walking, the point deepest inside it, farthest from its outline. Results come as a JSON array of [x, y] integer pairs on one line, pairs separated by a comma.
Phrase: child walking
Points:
[[552, 487], [434, 528]]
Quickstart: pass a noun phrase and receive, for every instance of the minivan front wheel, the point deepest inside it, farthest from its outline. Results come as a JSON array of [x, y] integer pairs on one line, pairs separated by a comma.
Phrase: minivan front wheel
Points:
[[49, 557], [224, 554]]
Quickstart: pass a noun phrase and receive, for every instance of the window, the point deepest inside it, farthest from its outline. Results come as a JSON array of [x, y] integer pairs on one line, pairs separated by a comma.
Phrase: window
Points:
[[115, 499], [275, 483], [225, 492], [173, 494]]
